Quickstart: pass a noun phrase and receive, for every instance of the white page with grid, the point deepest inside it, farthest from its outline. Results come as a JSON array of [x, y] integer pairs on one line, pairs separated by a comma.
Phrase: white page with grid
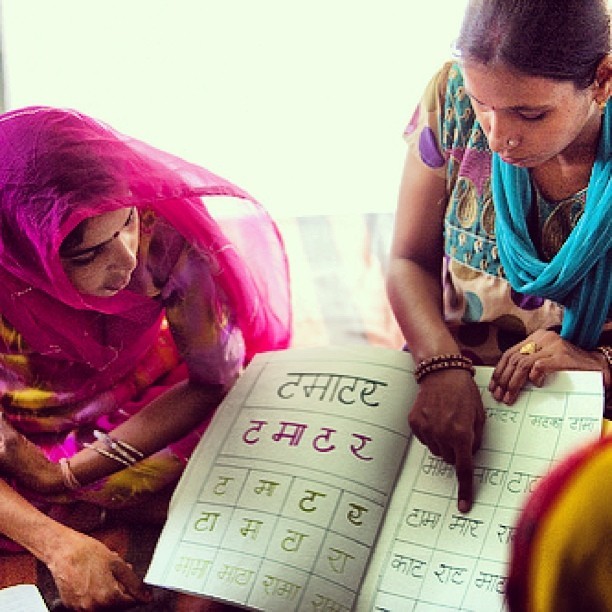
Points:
[[432, 557], [283, 501]]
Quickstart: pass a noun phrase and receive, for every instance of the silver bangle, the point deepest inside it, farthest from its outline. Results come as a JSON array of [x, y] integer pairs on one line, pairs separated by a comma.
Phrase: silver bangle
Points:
[[108, 454]]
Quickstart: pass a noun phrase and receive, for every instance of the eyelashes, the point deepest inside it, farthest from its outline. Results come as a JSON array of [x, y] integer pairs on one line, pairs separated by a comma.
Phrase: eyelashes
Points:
[[83, 260], [131, 217], [537, 117], [524, 115], [90, 254]]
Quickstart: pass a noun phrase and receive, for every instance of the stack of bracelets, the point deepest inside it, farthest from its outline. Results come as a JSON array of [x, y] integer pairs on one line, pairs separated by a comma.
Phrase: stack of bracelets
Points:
[[114, 449], [111, 448], [443, 362]]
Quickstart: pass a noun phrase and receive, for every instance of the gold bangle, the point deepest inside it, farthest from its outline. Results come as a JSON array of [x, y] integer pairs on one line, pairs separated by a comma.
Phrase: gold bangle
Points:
[[70, 481]]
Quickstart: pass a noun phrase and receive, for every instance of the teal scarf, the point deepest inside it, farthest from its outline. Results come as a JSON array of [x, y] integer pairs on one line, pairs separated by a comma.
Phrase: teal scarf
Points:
[[579, 275]]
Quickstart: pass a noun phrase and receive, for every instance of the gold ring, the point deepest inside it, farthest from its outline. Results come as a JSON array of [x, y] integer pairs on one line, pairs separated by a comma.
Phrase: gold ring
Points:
[[529, 349]]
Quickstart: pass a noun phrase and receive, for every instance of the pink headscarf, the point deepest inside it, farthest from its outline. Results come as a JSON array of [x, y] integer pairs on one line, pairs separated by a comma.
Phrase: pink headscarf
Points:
[[58, 167]]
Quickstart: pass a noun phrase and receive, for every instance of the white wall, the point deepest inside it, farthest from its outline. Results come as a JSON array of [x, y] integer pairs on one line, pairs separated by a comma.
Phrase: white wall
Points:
[[302, 103]]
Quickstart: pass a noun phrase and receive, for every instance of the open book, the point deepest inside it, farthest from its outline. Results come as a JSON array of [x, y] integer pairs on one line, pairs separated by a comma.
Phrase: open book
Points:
[[308, 492]]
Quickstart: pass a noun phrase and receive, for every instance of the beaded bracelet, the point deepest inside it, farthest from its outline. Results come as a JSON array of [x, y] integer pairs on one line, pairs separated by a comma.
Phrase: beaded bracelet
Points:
[[443, 362], [70, 480], [606, 351]]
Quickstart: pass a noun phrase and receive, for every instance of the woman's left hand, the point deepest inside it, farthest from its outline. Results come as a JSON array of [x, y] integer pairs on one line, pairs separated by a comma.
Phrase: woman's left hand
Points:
[[540, 354], [23, 460]]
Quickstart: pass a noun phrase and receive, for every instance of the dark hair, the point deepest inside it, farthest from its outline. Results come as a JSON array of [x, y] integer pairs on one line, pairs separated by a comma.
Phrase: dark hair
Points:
[[78, 175], [558, 39]]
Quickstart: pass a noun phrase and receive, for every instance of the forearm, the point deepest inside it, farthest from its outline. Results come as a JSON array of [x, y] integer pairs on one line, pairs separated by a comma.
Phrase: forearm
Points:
[[166, 419], [415, 295], [24, 524]]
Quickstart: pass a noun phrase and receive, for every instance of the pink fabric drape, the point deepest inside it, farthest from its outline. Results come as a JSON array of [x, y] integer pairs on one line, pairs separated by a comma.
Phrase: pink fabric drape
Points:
[[58, 167]]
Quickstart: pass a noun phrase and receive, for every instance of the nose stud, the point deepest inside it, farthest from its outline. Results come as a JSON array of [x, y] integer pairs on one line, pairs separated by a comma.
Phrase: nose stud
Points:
[[511, 142]]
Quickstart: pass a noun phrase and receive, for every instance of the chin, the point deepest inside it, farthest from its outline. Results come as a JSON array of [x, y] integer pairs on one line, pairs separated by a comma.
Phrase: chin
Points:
[[102, 293]]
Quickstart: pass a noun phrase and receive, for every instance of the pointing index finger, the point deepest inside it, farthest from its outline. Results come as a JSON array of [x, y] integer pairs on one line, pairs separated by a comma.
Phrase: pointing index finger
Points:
[[464, 468]]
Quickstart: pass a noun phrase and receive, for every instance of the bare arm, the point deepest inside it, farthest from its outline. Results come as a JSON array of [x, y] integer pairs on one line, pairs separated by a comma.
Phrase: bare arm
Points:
[[166, 419], [414, 279], [447, 414]]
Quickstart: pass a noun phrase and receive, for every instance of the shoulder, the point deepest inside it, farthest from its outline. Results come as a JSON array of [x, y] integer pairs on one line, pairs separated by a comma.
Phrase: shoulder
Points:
[[446, 88], [444, 123], [459, 126]]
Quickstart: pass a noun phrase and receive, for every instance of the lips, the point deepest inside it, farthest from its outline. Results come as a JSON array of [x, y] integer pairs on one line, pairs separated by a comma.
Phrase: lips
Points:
[[516, 161], [117, 285]]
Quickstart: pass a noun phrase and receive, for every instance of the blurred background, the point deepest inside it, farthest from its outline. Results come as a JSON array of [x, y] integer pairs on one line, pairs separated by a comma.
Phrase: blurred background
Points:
[[302, 103]]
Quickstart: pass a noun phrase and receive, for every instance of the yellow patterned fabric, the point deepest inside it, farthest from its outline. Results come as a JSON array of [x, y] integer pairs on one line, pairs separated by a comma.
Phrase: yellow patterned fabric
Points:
[[561, 557]]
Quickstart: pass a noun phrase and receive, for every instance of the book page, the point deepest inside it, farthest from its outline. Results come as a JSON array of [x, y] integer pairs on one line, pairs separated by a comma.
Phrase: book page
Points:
[[22, 598], [432, 557], [283, 499]]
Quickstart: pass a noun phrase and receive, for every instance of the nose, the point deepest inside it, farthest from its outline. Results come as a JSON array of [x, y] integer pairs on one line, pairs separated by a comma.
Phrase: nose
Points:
[[498, 131], [124, 253]]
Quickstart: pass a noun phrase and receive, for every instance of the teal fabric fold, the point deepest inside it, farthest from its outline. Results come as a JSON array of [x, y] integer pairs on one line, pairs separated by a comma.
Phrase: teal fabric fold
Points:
[[578, 277]]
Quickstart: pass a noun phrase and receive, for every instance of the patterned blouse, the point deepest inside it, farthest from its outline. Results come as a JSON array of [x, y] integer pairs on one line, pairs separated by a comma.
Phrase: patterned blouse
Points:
[[482, 310]]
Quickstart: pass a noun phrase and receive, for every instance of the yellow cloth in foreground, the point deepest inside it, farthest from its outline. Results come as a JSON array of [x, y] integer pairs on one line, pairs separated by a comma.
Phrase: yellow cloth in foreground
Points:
[[562, 558]]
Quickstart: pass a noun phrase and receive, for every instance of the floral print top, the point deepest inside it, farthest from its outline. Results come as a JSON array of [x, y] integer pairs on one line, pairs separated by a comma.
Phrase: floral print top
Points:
[[485, 314]]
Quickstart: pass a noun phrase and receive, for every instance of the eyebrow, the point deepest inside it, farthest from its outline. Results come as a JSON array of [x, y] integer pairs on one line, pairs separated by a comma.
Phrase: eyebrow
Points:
[[518, 107], [79, 252]]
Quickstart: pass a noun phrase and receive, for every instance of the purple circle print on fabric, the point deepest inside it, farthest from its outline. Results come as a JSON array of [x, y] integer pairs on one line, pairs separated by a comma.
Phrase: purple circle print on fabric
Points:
[[428, 149], [526, 302]]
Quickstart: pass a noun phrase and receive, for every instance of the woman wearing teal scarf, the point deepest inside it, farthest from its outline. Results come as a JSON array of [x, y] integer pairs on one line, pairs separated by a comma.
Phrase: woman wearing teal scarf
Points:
[[501, 253], [579, 275]]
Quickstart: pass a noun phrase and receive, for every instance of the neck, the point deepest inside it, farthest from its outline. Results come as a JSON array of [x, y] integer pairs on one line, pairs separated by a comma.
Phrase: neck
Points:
[[584, 148], [569, 172]]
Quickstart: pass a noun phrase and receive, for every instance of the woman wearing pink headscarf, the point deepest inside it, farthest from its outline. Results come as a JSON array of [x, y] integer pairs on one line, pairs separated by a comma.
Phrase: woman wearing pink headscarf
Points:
[[127, 309]]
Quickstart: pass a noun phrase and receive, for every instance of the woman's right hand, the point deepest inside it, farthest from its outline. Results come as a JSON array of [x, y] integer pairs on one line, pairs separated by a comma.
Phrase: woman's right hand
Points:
[[89, 576], [448, 417]]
